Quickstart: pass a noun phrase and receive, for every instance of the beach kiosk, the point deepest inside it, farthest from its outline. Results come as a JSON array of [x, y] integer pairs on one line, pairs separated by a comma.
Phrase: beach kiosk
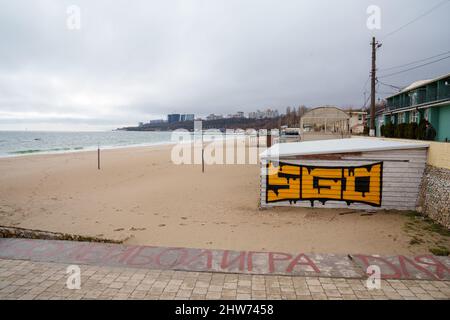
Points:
[[358, 173]]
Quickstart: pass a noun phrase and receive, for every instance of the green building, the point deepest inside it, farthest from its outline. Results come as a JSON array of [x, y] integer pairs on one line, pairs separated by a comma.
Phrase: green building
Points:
[[425, 99]]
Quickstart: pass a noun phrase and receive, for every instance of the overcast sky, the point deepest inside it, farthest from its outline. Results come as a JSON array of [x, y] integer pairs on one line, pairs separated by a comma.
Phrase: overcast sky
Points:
[[139, 60]]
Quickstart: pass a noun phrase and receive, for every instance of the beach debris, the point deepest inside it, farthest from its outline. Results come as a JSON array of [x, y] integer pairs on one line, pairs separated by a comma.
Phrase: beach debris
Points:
[[162, 225], [346, 212], [119, 229], [127, 238], [368, 213], [137, 229]]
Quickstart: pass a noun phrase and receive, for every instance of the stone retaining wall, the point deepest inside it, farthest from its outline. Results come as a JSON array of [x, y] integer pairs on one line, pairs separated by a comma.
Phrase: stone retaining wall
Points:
[[434, 197]]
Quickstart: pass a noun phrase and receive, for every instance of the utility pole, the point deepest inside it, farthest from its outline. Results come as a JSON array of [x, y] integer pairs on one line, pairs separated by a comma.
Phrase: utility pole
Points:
[[375, 46]]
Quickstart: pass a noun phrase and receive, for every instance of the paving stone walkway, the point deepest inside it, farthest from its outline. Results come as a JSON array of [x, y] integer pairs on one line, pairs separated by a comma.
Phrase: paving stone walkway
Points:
[[20, 279], [423, 267]]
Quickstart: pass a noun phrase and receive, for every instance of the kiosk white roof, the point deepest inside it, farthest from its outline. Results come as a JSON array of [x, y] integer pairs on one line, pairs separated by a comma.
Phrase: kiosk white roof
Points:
[[338, 146]]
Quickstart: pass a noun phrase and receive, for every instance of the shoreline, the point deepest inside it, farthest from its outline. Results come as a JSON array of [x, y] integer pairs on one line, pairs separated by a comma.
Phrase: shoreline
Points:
[[84, 149]]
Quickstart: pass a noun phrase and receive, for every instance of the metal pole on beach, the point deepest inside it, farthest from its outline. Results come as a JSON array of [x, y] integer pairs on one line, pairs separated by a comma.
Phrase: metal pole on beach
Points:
[[98, 157], [203, 155], [257, 139], [269, 138]]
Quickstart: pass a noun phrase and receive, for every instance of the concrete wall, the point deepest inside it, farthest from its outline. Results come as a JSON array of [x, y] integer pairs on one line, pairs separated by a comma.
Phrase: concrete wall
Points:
[[443, 131], [439, 155]]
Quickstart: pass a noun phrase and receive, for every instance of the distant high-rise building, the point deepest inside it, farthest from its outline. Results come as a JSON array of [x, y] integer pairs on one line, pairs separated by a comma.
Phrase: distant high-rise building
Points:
[[156, 121], [237, 115], [180, 117], [213, 116], [172, 118], [267, 114]]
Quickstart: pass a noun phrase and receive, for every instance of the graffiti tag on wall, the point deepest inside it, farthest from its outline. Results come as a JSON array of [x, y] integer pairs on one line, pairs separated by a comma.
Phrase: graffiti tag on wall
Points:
[[290, 182]]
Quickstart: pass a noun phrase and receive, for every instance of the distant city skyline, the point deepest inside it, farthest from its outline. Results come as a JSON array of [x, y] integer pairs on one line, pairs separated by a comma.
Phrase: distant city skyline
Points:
[[116, 65]]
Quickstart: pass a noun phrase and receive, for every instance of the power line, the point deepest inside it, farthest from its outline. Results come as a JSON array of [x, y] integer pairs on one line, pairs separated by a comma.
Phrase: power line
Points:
[[416, 19], [416, 67], [365, 103], [389, 85], [367, 81], [414, 62], [386, 93], [383, 92]]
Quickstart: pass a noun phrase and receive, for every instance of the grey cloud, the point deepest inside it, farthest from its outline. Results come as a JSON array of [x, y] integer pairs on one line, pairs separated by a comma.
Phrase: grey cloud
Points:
[[136, 60]]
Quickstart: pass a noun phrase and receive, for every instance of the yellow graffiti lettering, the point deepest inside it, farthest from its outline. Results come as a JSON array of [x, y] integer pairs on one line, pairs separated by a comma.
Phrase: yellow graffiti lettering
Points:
[[288, 182]]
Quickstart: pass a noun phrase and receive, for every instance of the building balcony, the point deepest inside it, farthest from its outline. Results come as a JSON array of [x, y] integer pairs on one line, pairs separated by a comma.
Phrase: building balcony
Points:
[[433, 92]]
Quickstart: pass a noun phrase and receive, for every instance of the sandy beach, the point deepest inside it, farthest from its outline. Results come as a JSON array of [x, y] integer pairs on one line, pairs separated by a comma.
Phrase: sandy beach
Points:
[[139, 196]]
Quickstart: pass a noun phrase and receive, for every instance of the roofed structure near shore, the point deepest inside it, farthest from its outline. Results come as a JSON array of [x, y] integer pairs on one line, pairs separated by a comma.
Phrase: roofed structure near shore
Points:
[[365, 173], [338, 146], [325, 119]]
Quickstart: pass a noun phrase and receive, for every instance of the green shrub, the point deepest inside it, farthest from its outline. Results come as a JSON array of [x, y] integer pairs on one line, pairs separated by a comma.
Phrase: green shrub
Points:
[[366, 130], [440, 251], [404, 130], [389, 130], [411, 131], [400, 130], [396, 131], [422, 130]]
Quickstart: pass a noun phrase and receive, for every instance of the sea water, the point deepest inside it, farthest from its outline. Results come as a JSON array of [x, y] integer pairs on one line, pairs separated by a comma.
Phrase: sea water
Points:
[[15, 143]]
